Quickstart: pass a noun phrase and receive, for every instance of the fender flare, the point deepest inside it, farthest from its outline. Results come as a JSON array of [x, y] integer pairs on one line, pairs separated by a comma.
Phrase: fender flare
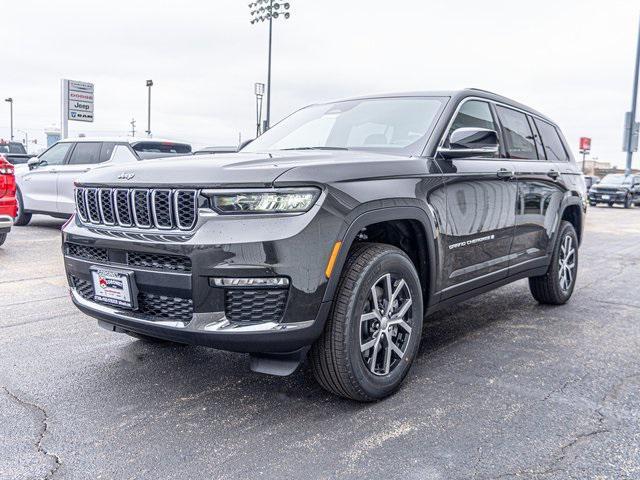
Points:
[[383, 214], [569, 200]]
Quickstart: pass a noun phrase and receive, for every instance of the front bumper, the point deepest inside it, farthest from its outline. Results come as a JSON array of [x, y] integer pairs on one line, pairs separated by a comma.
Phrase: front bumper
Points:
[[186, 305], [6, 222], [607, 197]]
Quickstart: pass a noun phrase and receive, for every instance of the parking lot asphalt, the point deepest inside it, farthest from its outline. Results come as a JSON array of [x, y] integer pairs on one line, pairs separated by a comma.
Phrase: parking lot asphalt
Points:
[[502, 388]]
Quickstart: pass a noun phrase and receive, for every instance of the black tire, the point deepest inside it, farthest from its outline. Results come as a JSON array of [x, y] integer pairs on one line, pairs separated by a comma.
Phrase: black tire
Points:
[[627, 201], [23, 218], [593, 204], [338, 357], [3, 237], [611, 204], [548, 288]]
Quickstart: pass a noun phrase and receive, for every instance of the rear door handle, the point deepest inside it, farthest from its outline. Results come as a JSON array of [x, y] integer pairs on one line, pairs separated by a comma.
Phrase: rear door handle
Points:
[[505, 174], [553, 174]]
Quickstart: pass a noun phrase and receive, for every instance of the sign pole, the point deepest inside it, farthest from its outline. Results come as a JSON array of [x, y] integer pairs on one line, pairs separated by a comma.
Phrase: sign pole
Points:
[[64, 109], [634, 101]]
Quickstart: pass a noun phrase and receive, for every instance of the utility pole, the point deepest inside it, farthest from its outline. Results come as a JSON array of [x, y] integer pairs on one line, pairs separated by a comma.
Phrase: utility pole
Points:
[[634, 101], [10, 101], [149, 85], [133, 127]]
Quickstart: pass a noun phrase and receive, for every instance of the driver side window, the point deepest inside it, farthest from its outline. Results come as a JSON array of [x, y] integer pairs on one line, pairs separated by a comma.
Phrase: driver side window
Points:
[[473, 114], [55, 155]]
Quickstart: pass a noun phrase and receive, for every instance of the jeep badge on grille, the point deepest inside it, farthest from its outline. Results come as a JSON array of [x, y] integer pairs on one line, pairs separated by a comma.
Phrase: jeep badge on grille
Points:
[[126, 176]]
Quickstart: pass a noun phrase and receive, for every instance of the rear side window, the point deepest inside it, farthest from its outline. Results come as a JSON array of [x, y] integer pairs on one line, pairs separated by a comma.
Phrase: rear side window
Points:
[[85, 153], [519, 138], [162, 147], [553, 146], [106, 151]]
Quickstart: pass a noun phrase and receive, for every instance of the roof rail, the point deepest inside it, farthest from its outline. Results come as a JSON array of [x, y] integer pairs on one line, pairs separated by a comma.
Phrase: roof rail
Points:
[[483, 90]]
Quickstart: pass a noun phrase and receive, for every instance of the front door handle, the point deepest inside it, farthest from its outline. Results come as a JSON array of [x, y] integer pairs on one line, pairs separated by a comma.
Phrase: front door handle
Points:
[[554, 174], [505, 174]]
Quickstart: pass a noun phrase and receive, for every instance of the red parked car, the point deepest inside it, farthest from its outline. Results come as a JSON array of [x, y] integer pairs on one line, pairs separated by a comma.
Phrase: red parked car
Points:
[[8, 205]]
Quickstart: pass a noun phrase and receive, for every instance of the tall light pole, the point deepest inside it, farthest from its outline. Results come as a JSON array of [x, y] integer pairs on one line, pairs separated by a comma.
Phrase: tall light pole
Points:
[[10, 101], [268, 10], [149, 85], [259, 91], [629, 135]]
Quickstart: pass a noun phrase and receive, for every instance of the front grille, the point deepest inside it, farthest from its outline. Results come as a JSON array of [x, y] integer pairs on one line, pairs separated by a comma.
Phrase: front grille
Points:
[[158, 261], [256, 305], [150, 306], [86, 252], [163, 209], [161, 306]]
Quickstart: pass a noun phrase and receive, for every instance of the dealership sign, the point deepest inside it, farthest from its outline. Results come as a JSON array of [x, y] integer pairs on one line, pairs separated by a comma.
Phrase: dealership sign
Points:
[[585, 145], [77, 101]]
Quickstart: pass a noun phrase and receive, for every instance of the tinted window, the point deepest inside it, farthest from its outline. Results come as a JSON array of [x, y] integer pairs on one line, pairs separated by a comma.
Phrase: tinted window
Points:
[[518, 136], [551, 142], [474, 114], [162, 147], [85, 153], [106, 151], [56, 154]]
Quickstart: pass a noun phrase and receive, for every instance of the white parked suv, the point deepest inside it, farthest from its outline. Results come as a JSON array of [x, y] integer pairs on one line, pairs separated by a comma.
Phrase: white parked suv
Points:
[[46, 183]]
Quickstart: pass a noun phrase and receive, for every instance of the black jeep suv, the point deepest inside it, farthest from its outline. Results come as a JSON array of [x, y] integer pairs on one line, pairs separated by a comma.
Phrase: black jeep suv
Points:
[[616, 188], [333, 234]]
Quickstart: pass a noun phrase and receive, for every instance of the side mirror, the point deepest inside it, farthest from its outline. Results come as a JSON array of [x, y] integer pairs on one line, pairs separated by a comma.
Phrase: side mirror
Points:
[[468, 142], [33, 163]]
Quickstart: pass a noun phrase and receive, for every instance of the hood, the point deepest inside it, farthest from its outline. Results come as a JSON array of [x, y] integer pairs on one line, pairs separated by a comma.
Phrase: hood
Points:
[[253, 169]]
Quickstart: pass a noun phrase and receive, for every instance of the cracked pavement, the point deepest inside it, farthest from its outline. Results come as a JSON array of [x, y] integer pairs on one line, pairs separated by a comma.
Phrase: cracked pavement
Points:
[[502, 388]]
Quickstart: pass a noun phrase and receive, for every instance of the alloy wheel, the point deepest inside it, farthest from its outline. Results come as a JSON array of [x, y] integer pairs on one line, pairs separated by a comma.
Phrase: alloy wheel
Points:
[[385, 324], [567, 263]]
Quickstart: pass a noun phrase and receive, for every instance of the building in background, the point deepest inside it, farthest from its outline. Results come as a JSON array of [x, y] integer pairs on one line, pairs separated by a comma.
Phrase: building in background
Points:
[[53, 135]]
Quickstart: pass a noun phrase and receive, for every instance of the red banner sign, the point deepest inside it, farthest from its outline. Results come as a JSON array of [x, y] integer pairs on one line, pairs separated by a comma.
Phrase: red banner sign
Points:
[[585, 145]]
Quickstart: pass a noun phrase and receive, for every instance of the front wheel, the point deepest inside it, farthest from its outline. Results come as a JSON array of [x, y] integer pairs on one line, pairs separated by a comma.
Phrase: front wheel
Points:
[[556, 286], [627, 201], [373, 331], [593, 204]]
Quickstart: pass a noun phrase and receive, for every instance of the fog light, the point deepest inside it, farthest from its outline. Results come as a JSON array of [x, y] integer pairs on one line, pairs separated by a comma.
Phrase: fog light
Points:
[[269, 282]]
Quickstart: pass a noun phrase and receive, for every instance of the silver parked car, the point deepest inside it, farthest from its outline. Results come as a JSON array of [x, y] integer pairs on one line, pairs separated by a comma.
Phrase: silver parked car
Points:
[[45, 184]]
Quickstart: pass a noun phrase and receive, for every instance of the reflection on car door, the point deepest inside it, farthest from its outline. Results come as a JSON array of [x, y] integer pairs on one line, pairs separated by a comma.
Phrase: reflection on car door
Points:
[[480, 210], [539, 192], [38, 187], [85, 156]]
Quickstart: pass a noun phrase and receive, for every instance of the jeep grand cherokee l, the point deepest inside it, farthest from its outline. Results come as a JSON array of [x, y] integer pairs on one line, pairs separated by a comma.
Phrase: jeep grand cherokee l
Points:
[[616, 188], [333, 234]]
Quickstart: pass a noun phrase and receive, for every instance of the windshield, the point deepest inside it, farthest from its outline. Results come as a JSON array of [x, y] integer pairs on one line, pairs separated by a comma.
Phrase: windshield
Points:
[[617, 179], [395, 125]]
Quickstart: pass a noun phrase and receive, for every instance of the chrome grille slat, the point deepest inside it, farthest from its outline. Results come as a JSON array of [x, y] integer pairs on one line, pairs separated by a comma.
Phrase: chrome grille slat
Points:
[[161, 208], [141, 208], [123, 207]]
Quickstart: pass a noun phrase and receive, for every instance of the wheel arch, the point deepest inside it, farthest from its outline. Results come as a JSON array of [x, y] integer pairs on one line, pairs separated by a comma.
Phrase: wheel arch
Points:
[[573, 212], [399, 217]]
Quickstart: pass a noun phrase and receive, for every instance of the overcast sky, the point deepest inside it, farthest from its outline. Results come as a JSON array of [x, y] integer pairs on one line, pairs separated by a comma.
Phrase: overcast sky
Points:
[[570, 59]]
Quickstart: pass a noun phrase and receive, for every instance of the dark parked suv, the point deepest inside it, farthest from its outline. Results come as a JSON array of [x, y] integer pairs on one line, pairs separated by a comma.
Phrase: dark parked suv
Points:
[[333, 234], [616, 188]]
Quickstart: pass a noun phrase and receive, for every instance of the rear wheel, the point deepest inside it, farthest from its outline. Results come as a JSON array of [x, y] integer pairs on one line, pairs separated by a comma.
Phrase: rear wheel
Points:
[[373, 331], [556, 286], [22, 218], [627, 201], [3, 237]]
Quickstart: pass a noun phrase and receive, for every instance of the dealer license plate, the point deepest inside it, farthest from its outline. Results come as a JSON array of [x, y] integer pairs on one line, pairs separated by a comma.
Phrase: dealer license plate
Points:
[[114, 287]]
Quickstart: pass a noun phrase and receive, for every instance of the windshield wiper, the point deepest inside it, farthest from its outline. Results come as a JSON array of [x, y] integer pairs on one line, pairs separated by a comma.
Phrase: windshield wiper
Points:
[[315, 148]]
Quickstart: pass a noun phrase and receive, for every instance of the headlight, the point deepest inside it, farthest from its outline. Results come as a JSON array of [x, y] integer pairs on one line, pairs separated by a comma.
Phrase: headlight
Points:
[[292, 200]]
